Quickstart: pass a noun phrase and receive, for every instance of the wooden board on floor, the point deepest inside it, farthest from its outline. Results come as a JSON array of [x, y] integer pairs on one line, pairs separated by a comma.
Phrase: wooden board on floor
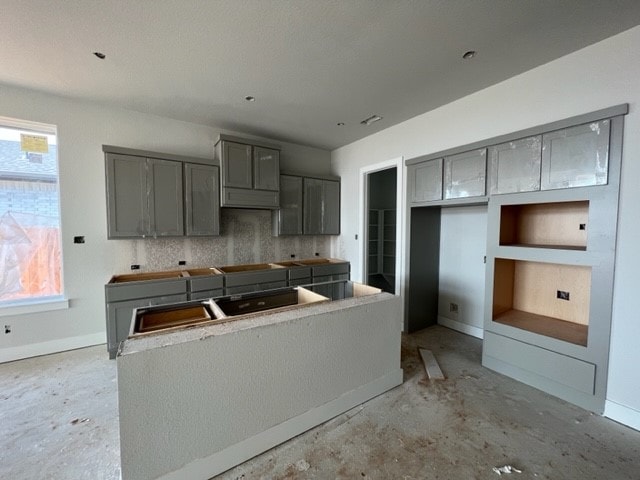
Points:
[[431, 365]]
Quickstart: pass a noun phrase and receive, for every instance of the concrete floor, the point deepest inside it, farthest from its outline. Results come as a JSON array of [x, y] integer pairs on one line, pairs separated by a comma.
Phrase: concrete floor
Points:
[[59, 420]]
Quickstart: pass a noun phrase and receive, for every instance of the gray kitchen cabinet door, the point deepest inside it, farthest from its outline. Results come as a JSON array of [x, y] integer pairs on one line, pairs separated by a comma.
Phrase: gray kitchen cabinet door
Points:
[[126, 196], [576, 156], [165, 197], [202, 199], [312, 206], [266, 169], [515, 166], [465, 174], [288, 219], [425, 181], [237, 165], [331, 208]]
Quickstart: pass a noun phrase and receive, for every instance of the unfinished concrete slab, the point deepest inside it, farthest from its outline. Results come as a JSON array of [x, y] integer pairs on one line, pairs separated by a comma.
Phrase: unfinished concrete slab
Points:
[[461, 427]]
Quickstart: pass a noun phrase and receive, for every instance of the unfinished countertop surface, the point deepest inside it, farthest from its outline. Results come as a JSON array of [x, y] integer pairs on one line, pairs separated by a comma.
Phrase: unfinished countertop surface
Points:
[[219, 270], [200, 332]]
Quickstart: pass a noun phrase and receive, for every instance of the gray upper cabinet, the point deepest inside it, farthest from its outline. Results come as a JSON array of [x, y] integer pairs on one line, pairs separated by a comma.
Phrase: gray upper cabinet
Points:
[[425, 181], [465, 174], [238, 165], [515, 166], [266, 169], [201, 199], [127, 206], [321, 207], [576, 156], [164, 184], [144, 196], [250, 173], [287, 220]]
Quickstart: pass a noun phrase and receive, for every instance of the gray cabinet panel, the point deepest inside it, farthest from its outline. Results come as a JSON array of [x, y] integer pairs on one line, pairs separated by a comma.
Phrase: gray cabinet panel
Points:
[[144, 289], [560, 368], [576, 156], [425, 181], [515, 166], [202, 200], [206, 282], [266, 169], [256, 277], [287, 220], [465, 174], [321, 207], [126, 196], [164, 182], [312, 206], [331, 208], [237, 165], [241, 197], [330, 269]]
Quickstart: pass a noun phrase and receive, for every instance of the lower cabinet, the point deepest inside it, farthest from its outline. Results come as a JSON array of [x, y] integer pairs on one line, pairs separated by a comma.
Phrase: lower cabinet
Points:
[[119, 315]]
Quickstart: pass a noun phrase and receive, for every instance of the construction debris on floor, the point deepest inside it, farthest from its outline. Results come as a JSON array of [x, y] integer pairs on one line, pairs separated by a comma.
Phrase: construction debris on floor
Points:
[[457, 429]]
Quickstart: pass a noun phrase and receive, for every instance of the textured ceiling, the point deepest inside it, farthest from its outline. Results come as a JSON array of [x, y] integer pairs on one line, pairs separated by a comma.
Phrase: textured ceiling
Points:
[[309, 63]]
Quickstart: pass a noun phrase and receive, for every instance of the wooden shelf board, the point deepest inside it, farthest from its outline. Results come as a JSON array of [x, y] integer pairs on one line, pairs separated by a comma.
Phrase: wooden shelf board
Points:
[[550, 327], [553, 247]]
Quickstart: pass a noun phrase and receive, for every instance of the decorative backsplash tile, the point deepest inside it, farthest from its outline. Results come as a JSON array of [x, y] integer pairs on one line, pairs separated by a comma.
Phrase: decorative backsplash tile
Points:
[[245, 237]]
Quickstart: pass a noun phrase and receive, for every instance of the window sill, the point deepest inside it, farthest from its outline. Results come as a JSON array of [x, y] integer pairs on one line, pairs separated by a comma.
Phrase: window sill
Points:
[[56, 303]]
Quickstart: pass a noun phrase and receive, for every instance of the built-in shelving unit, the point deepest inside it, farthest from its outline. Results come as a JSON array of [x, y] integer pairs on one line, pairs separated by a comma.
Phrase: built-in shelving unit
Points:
[[382, 245]]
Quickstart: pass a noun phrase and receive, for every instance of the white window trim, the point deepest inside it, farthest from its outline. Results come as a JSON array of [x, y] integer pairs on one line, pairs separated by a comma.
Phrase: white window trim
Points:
[[46, 304]]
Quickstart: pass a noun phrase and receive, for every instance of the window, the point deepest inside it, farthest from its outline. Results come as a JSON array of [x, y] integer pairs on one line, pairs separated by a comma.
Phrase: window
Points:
[[30, 247]]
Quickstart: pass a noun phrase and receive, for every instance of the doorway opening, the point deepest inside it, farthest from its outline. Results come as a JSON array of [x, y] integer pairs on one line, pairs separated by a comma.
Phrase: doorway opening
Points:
[[381, 215]]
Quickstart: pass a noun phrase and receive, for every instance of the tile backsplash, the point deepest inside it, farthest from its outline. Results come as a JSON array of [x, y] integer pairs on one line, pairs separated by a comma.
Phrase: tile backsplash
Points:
[[245, 237]]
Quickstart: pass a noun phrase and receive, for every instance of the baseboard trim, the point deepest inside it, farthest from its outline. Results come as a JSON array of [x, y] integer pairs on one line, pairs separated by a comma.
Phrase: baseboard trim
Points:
[[622, 414], [205, 468], [11, 354], [461, 327]]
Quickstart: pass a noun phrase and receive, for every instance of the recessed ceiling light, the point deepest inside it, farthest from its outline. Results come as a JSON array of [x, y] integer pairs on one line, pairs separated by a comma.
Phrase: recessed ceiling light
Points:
[[340, 124], [100, 55], [371, 119], [470, 54], [249, 98]]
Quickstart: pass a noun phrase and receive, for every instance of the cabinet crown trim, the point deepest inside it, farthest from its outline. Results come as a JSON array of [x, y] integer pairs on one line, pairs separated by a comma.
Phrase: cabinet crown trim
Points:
[[595, 116], [159, 155], [247, 141]]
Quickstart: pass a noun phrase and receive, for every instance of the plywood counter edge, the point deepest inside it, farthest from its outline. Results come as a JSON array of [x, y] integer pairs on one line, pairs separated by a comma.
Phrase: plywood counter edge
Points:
[[137, 345]]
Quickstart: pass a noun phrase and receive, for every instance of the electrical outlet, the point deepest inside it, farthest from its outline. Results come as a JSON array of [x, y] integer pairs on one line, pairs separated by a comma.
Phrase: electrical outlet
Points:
[[78, 239], [293, 255], [453, 307], [182, 262], [562, 295], [135, 267], [7, 329], [317, 254], [582, 226]]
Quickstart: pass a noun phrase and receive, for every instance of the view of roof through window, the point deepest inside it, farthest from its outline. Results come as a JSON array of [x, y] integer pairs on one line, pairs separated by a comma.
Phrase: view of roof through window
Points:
[[30, 249]]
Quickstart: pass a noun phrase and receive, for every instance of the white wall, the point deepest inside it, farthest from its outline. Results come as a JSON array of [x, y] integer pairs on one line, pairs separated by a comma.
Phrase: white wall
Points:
[[462, 250], [596, 77], [82, 130]]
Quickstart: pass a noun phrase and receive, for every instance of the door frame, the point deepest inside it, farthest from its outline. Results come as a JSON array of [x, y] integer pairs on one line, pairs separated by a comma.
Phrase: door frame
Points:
[[401, 204]]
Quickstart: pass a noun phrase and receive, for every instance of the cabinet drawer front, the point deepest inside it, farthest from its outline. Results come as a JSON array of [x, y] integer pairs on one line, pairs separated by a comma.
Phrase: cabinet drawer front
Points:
[[425, 181], [256, 278], [205, 282], [331, 269], [299, 272], [515, 166], [465, 174], [562, 369], [148, 289], [206, 294], [576, 156], [239, 197], [293, 282]]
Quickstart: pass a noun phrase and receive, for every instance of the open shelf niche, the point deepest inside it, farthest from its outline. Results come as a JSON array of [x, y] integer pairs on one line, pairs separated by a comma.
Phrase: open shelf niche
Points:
[[544, 298], [560, 225]]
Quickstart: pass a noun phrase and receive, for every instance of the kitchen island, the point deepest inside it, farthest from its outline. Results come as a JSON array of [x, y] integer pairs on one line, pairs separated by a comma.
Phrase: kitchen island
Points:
[[195, 402]]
